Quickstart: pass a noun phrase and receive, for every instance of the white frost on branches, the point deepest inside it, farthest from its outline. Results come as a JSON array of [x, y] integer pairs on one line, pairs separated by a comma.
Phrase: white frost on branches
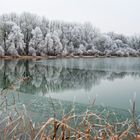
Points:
[[29, 34]]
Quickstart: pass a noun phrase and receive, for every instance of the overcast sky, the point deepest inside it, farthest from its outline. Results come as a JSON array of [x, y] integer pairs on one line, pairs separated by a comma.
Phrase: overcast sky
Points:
[[121, 16]]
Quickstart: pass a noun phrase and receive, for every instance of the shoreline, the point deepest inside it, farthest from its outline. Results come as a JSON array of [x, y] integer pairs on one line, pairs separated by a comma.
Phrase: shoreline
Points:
[[60, 57]]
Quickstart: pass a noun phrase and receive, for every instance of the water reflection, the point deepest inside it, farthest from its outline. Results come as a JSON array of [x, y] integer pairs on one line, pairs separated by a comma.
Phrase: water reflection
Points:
[[46, 78], [71, 77]]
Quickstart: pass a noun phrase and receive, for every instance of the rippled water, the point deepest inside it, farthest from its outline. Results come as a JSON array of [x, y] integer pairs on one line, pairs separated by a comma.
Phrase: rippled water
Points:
[[112, 81]]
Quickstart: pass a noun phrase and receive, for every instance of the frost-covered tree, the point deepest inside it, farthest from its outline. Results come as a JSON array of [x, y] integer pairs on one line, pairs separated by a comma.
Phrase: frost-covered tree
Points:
[[103, 42], [44, 37], [121, 37], [44, 26], [27, 23], [53, 45], [57, 46], [15, 38], [36, 40], [48, 44], [120, 44], [1, 51], [76, 36], [81, 50], [89, 33], [70, 48], [134, 42], [5, 29], [32, 51], [12, 50]]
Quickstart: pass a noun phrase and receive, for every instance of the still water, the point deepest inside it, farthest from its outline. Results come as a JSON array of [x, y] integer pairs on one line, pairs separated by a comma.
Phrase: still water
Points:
[[111, 81]]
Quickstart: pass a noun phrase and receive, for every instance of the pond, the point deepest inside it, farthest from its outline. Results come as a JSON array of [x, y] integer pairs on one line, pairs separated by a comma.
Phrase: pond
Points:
[[111, 81]]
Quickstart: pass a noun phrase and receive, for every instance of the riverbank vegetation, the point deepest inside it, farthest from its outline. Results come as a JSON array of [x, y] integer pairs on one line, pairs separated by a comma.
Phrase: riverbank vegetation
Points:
[[96, 123], [30, 35]]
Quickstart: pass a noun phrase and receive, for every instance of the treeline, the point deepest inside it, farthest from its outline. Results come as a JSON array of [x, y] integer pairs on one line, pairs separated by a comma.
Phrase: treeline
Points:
[[28, 34]]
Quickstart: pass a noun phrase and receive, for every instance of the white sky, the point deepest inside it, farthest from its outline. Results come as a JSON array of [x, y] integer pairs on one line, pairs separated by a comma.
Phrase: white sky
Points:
[[121, 16]]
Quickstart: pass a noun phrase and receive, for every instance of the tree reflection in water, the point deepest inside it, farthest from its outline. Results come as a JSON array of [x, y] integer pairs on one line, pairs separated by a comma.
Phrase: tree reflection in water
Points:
[[45, 78]]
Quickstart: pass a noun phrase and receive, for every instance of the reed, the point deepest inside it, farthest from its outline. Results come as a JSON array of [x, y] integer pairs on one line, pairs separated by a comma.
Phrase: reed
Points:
[[18, 128], [90, 125]]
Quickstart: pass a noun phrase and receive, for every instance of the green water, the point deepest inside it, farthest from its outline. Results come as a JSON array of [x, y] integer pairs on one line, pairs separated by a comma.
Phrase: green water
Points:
[[112, 81]]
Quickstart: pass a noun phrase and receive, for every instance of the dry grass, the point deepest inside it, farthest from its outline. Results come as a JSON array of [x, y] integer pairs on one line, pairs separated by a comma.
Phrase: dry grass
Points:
[[17, 125], [22, 127]]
